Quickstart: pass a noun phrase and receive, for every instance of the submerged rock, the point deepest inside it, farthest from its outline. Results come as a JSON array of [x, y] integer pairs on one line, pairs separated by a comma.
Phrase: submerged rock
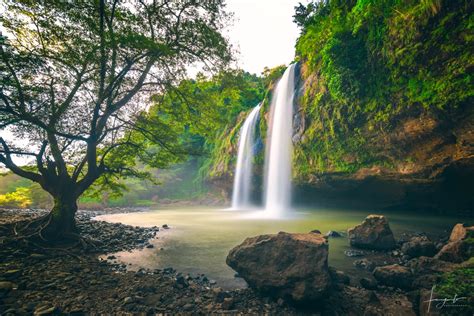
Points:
[[364, 264], [394, 275], [419, 246], [373, 233], [460, 246], [333, 234], [286, 265]]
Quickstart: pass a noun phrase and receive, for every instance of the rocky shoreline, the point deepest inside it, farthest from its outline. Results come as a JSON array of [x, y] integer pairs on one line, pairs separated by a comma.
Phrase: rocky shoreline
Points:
[[76, 281]]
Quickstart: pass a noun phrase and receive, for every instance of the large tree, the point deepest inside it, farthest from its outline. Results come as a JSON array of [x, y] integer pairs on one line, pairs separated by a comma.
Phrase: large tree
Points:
[[75, 79]]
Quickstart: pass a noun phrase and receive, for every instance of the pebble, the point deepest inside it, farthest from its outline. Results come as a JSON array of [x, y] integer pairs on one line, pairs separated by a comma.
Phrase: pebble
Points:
[[333, 234], [6, 285], [128, 300], [188, 307], [354, 253]]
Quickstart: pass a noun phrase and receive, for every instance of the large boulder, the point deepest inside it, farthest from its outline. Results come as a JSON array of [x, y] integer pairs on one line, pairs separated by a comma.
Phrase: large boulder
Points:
[[373, 233], [419, 246], [460, 246], [394, 275], [286, 265]]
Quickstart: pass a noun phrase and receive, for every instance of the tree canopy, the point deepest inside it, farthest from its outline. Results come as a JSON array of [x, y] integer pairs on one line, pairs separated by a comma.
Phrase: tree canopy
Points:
[[77, 78]]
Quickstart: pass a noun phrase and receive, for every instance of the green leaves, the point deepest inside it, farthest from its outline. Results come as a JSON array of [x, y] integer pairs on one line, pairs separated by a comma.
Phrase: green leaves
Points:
[[370, 62]]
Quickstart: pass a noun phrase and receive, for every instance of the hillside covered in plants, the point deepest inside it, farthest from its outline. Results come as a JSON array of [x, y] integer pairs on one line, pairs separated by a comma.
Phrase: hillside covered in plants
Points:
[[384, 103]]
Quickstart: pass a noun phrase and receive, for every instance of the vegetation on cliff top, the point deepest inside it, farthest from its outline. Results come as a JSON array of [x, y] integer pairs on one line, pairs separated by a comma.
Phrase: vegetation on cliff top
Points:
[[368, 63]]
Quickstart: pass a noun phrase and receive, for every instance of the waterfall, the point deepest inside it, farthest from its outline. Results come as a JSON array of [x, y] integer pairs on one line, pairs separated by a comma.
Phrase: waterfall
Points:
[[280, 149], [243, 171]]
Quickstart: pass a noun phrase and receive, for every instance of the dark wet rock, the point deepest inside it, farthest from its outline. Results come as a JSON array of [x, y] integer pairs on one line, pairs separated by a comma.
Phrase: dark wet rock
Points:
[[315, 231], [349, 300], [460, 246], [150, 246], [394, 305], [188, 307], [419, 246], [338, 276], [165, 226], [394, 275], [228, 303], [333, 234], [364, 264], [373, 233], [284, 264], [354, 253], [368, 283], [7, 286], [427, 271], [181, 280], [426, 265]]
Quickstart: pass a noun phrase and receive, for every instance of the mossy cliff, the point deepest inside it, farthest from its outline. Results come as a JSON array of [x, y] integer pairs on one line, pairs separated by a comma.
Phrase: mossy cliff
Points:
[[384, 113]]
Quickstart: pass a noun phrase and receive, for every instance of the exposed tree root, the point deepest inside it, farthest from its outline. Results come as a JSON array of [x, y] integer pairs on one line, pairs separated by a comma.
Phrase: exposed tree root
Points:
[[39, 233]]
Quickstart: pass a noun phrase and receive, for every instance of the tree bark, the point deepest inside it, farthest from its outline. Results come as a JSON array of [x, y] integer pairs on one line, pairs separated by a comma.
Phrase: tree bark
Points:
[[61, 220]]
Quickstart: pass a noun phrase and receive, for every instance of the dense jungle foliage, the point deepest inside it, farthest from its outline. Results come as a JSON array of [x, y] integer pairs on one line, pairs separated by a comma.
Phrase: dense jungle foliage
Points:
[[368, 63], [220, 99]]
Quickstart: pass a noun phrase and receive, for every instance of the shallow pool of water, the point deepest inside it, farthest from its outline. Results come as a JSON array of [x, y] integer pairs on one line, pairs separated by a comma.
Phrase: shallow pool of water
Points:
[[199, 239]]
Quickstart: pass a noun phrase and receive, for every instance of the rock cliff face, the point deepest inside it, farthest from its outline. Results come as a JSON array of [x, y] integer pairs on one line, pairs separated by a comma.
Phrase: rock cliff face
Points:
[[419, 160]]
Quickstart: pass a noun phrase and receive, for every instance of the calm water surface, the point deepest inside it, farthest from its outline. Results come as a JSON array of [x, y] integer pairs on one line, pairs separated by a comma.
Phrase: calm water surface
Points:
[[199, 239]]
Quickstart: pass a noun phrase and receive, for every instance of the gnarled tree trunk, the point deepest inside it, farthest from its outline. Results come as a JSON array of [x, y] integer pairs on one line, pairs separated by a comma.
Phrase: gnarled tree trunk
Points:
[[62, 218]]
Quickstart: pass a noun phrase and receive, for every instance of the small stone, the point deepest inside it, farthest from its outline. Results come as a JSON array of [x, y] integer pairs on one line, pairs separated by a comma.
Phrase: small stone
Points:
[[7, 286], [369, 284], [111, 257], [180, 280], [354, 253], [364, 264], [394, 275], [37, 256], [227, 303], [188, 307], [333, 234], [150, 246], [12, 273], [128, 300], [44, 310], [315, 231], [165, 226]]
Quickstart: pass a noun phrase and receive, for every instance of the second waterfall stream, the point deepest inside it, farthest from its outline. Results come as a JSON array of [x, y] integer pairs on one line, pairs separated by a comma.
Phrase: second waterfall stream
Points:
[[241, 197]]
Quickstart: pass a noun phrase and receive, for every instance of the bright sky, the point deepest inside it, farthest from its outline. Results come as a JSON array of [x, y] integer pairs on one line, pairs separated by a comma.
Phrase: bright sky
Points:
[[263, 31]]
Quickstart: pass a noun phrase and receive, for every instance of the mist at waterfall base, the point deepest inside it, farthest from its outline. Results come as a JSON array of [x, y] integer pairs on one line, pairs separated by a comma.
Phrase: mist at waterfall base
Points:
[[278, 154]]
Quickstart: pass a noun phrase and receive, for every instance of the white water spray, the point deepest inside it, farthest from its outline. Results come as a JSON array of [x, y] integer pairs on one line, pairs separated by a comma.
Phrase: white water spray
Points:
[[280, 150], [241, 196]]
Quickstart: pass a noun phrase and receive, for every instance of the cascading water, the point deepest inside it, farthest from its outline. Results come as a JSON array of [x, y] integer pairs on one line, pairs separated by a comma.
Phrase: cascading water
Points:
[[280, 150], [241, 196]]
